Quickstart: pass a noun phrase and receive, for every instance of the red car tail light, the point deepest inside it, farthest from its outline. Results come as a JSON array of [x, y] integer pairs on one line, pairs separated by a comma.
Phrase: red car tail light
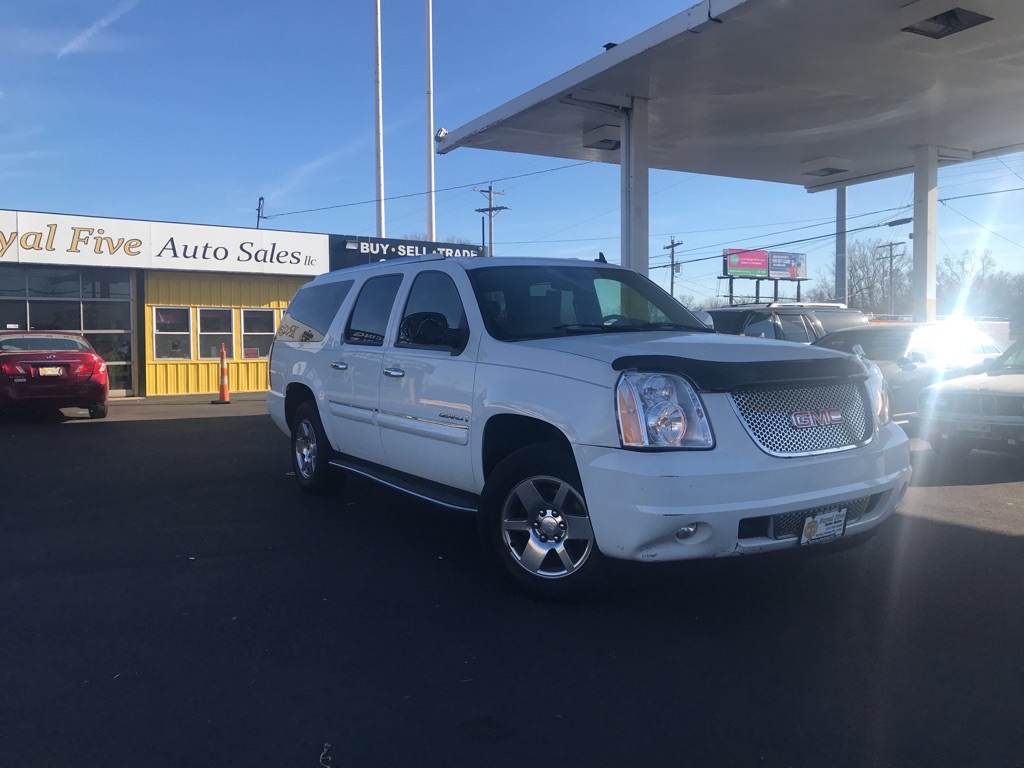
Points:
[[13, 369], [89, 367]]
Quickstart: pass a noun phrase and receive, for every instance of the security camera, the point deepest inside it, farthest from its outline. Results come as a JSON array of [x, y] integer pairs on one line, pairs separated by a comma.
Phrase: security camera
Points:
[[441, 133]]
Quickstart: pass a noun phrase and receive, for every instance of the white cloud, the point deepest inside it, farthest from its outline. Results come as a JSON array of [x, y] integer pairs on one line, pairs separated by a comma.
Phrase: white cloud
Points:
[[81, 41], [304, 172]]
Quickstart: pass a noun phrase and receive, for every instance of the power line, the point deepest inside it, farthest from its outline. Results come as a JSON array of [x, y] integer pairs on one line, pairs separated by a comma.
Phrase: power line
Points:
[[421, 194], [777, 245]]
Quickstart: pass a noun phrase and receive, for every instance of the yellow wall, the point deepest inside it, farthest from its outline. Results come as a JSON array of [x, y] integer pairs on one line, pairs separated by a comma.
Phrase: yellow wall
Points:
[[186, 289]]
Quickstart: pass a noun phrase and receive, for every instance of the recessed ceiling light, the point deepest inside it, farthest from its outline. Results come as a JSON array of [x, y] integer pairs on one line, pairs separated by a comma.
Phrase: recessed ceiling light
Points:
[[947, 23]]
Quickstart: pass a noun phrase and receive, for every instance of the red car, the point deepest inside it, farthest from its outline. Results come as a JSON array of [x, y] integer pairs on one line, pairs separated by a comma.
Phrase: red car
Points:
[[52, 369]]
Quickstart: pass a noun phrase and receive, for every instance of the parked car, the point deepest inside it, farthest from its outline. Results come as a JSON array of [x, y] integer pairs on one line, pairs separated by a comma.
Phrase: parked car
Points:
[[581, 412], [791, 321], [51, 369], [985, 410], [913, 355]]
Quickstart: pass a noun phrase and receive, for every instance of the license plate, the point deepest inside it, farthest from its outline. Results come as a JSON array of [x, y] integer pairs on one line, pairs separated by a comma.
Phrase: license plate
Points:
[[974, 429], [51, 370], [823, 526]]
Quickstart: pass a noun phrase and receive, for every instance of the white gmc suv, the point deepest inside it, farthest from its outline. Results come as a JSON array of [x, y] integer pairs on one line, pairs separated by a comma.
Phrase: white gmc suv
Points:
[[581, 412]]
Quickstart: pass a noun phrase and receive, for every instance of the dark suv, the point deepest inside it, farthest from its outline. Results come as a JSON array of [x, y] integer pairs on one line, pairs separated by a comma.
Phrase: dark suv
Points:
[[803, 322]]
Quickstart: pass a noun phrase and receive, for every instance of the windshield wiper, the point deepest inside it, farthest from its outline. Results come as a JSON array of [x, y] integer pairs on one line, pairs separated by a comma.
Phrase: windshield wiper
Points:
[[584, 327], [670, 326]]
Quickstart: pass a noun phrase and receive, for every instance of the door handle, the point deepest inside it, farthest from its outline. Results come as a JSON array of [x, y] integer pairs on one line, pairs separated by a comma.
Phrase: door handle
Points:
[[394, 373], [339, 365]]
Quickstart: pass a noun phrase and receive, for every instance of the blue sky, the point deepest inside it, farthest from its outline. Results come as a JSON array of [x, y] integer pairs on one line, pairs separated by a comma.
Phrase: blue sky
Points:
[[190, 111]]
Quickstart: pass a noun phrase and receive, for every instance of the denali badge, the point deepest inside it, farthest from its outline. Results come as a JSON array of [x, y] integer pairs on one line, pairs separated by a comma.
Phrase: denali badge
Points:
[[804, 419]]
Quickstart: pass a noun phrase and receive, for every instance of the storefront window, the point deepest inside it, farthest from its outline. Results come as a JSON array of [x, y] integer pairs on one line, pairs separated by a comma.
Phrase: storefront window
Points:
[[57, 283], [215, 328], [12, 281], [172, 328], [112, 347], [106, 315], [13, 316], [257, 332], [55, 315], [106, 284]]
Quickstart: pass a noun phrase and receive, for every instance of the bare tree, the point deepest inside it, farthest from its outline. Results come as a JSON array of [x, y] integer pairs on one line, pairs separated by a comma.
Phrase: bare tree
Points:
[[868, 278]]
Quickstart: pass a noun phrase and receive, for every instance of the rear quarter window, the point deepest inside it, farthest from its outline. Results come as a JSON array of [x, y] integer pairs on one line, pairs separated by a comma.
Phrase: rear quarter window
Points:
[[833, 321], [311, 311]]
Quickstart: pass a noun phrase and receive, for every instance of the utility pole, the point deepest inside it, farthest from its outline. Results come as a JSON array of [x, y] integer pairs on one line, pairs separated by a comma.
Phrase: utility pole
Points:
[[890, 257], [671, 248], [259, 212], [490, 210]]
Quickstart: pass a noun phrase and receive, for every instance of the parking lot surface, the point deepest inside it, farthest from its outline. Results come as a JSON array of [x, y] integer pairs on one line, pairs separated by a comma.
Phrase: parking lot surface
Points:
[[170, 598]]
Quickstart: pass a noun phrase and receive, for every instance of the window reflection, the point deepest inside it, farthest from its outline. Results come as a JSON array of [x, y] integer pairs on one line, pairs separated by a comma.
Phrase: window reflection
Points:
[[59, 283], [55, 315], [106, 284], [12, 281]]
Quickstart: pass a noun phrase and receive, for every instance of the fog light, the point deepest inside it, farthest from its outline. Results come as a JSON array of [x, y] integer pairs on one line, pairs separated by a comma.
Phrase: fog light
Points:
[[686, 531]]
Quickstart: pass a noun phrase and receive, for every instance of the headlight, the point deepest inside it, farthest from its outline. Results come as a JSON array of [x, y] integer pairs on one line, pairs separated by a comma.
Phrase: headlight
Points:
[[878, 391], [660, 410]]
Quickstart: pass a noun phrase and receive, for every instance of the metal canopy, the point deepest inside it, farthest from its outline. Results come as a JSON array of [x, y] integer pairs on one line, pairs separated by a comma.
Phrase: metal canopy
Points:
[[821, 93]]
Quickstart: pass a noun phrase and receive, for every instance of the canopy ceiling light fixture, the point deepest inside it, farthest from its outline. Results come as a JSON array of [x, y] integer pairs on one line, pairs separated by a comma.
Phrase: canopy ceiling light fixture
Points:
[[947, 23], [826, 166], [608, 137]]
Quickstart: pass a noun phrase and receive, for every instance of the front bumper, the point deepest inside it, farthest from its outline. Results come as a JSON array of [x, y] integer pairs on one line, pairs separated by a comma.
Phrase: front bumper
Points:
[[638, 501], [1003, 437]]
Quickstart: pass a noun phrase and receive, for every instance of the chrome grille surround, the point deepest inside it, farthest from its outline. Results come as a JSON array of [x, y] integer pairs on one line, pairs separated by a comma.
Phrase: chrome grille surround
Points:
[[766, 415], [789, 524]]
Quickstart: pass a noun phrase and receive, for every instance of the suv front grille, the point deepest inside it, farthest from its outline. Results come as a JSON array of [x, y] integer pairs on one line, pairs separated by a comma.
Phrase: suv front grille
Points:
[[770, 417]]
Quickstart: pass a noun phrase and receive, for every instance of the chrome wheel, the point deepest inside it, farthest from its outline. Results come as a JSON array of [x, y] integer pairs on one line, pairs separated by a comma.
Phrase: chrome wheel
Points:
[[311, 452], [305, 450], [545, 526]]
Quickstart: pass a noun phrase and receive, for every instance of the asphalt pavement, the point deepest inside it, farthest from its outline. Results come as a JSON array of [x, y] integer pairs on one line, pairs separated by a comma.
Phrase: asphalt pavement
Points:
[[168, 597]]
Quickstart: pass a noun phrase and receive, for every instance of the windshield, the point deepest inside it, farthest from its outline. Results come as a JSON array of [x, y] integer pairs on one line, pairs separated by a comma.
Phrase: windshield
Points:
[[1011, 358], [537, 302]]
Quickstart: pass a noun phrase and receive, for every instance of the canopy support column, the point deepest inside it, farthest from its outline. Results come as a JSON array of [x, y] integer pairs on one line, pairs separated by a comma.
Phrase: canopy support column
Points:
[[841, 265], [635, 188], [926, 203]]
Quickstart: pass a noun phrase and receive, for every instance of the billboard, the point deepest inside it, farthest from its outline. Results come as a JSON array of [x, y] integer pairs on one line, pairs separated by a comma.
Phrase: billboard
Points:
[[738, 262], [772, 265], [787, 266]]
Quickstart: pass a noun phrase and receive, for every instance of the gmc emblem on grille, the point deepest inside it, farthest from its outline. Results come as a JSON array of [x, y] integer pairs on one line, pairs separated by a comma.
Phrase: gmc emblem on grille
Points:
[[805, 419]]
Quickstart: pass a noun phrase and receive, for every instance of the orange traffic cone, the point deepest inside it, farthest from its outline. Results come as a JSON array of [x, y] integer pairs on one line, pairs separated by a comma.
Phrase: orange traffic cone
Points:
[[225, 392]]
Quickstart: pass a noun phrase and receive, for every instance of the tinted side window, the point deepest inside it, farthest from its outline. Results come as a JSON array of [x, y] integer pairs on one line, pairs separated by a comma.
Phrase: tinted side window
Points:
[[312, 309], [834, 320], [758, 325], [370, 315], [433, 293], [795, 328]]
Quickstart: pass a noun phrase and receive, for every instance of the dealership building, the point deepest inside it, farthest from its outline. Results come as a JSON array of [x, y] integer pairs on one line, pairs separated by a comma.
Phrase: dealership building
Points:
[[158, 299]]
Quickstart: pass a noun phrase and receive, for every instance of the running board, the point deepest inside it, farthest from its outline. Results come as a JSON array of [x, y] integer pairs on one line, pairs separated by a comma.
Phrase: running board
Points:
[[435, 493]]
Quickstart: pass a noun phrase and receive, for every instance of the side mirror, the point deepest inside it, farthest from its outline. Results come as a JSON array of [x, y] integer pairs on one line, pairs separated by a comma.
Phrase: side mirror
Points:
[[987, 363], [424, 329], [704, 317]]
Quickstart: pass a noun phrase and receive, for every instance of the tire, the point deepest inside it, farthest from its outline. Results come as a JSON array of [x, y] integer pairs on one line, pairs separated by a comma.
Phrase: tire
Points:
[[534, 522], [311, 453], [98, 410]]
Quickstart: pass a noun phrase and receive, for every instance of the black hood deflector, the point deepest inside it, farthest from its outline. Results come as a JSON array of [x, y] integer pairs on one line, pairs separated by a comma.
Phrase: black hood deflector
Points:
[[712, 376]]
